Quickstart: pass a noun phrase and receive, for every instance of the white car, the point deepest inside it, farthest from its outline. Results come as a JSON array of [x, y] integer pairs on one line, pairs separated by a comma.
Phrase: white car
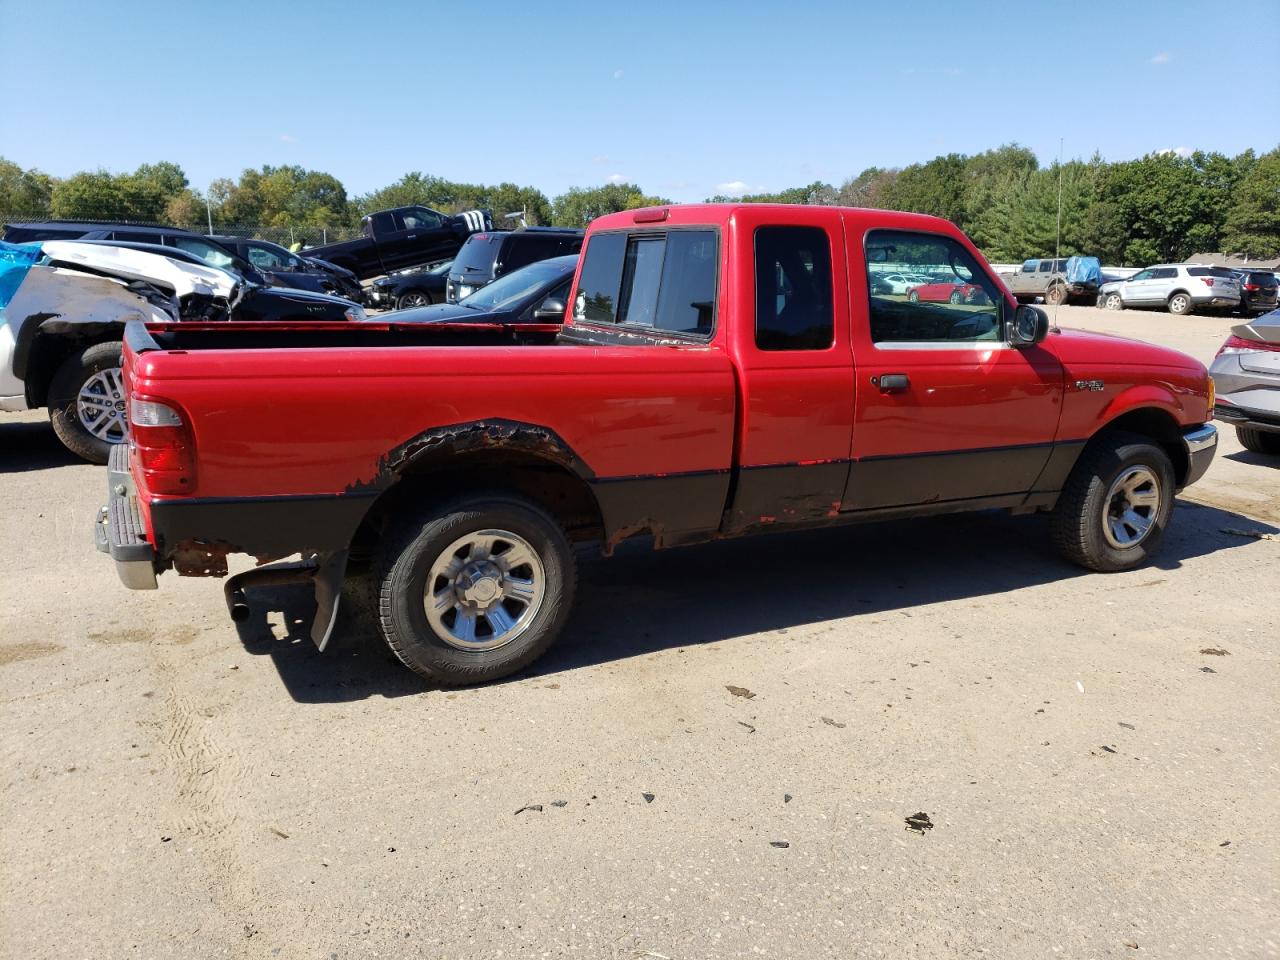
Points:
[[1181, 288], [902, 282]]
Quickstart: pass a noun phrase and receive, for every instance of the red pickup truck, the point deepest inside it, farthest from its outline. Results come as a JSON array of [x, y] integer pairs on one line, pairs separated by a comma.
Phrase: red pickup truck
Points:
[[724, 370]]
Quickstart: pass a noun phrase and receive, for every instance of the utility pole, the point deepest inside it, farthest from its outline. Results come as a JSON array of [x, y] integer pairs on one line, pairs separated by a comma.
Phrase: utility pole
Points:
[[1057, 248], [209, 212]]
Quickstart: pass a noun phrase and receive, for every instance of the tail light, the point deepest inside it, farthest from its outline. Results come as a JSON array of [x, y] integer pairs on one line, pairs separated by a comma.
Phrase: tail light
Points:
[[1207, 281], [1236, 344], [1252, 286], [163, 447]]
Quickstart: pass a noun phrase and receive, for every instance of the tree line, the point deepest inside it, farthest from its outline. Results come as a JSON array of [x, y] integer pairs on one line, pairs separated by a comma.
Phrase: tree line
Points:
[[1161, 207]]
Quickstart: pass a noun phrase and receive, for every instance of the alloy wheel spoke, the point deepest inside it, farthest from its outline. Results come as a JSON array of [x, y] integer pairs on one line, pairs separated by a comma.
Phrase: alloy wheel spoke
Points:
[[520, 589], [443, 601], [464, 627], [515, 556], [499, 619]]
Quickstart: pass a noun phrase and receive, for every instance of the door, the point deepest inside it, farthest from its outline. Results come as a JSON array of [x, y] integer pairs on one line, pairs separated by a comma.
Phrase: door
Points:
[[1138, 288], [796, 384], [946, 410], [420, 236], [1163, 282]]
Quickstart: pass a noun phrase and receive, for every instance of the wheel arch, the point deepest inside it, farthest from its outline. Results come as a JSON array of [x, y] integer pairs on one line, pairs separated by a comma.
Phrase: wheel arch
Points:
[[1158, 424], [50, 344]]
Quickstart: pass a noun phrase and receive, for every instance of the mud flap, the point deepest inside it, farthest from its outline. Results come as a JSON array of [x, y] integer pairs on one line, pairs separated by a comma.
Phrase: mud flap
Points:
[[328, 586]]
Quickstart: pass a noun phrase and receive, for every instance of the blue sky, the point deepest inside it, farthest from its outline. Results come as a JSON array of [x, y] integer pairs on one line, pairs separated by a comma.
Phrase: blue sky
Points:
[[686, 99]]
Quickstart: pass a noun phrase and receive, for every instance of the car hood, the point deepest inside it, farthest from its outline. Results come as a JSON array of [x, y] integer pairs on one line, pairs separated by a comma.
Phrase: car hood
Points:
[[1111, 285], [331, 267], [443, 313], [303, 296], [127, 264], [1082, 346]]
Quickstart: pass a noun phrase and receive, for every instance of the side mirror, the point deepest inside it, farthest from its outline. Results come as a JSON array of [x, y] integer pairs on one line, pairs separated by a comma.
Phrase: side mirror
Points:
[[1030, 326], [551, 310]]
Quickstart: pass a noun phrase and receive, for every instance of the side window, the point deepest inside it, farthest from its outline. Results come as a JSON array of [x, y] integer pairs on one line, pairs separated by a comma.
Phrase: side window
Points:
[[1165, 273], [1029, 266], [1143, 275], [382, 223], [264, 258], [1046, 266], [687, 300], [957, 301], [793, 289], [207, 252], [525, 250], [418, 218], [597, 300]]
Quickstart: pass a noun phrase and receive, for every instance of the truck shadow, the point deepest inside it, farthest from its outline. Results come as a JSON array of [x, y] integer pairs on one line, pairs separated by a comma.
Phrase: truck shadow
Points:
[[643, 601], [32, 445], [1255, 459]]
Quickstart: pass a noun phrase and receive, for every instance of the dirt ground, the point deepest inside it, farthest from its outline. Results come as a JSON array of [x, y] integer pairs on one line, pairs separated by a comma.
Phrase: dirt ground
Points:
[[719, 754]]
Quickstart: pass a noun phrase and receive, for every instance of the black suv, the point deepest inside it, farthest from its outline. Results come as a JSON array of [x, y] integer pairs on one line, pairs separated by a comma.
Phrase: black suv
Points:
[[487, 256], [1259, 290]]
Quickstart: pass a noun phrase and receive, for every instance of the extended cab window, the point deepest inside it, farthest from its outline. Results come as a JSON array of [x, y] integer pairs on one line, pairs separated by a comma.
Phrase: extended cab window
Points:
[[954, 300], [793, 289], [419, 218], [666, 281]]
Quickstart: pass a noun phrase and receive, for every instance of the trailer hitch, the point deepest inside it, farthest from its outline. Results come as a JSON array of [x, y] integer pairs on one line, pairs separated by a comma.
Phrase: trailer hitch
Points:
[[325, 571]]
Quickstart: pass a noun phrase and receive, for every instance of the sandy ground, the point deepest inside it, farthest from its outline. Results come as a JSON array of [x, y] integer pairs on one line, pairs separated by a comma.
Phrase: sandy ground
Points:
[[1098, 754]]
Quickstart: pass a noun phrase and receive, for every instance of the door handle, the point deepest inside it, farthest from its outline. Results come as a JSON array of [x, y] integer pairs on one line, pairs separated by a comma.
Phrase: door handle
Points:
[[891, 382], [412, 236]]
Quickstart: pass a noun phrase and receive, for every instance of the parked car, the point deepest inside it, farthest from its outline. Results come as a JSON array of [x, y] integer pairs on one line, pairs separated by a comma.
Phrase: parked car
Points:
[[901, 282], [1259, 291], [1182, 288], [285, 269], [954, 290], [403, 237], [1246, 373], [67, 306], [487, 256], [535, 293], [416, 287], [724, 370], [1062, 280]]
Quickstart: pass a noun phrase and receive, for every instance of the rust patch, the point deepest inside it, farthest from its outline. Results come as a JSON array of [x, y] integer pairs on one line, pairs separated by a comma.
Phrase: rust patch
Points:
[[17, 652], [196, 558]]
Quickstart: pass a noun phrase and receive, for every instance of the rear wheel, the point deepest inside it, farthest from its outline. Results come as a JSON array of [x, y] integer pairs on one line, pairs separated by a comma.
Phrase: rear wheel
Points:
[[476, 589], [913, 296], [957, 297], [87, 402], [1055, 295], [1180, 304], [1116, 504], [1259, 441], [1113, 301], [414, 298]]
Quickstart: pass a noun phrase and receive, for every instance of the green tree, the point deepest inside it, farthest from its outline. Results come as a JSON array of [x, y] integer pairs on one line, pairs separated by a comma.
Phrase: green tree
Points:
[[24, 193], [867, 189], [285, 196], [1167, 209], [578, 206], [936, 187], [1252, 225]]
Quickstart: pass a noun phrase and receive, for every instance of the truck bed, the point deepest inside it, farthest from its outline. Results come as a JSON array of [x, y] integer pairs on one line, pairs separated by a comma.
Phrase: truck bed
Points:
[[263, 336]]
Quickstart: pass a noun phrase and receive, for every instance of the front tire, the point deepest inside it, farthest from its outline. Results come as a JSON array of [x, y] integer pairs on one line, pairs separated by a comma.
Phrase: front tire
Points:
[[1180, 304], [1259, 441], [1115, 505], [1113, 301], [913, 296], [475, 589], [414, 298], [87, 402]]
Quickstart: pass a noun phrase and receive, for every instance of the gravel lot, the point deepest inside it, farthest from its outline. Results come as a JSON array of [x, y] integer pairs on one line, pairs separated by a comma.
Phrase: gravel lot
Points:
[[1098, 754]]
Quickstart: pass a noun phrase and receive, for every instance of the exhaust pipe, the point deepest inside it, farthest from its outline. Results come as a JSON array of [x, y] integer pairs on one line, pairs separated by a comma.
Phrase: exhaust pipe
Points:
[[268, 576]]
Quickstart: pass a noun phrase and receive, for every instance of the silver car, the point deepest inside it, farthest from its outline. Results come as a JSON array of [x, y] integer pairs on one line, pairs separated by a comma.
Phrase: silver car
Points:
[[1246, 374], [1182, 288]]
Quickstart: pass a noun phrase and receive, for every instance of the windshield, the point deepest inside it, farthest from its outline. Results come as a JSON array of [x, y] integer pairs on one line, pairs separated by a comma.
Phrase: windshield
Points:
[[478, 253], [514, 287]]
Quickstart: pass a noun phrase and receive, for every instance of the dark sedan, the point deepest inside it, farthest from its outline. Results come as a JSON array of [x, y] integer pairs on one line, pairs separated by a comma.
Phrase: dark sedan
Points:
[[419, 287], [285, 269], [532, 294]]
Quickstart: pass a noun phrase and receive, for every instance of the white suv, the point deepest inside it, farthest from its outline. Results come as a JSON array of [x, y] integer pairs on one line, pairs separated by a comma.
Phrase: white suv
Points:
[[1181, 287]]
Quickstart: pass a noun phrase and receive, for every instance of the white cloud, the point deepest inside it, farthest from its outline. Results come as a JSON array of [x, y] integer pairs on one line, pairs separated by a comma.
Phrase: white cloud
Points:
[[1177, 151], [734, 188], [618, 178], [601, 160], [617, 74], [288, 138], [1159, 58]]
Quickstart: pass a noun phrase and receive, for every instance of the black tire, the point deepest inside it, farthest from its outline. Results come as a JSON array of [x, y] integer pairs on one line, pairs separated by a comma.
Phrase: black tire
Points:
[[913, 296], [1076, 524], [1111, 301], [956, 297], [404, 564], [65, 390], [414, 298], [1055, 295], [1259, 441], [1180, 304]]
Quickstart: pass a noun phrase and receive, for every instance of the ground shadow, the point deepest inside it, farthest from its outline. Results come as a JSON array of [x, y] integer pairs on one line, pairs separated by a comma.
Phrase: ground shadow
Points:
[[32, 445], [643, 601], [1255, 459]]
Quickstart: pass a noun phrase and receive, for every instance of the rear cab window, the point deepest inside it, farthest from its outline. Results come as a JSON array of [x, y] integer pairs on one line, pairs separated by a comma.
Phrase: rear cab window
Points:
[[477, 256], [657, 281]]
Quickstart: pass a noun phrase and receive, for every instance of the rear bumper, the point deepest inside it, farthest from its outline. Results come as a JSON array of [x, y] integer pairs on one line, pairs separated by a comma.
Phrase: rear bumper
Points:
[[118, 529], [1243, 417], [1200, 443]]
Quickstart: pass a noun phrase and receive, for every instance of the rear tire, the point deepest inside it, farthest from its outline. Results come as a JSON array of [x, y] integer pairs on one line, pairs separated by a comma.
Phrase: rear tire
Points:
[[414, 298], [913, 296], [1259, 441], [1098, 522], [86, 406], [1180, 304], [435, 562]]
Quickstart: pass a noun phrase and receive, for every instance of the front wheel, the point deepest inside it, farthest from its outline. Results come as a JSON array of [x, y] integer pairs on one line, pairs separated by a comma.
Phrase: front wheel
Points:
[[1115, 505], [1113, 301], [1259, 441], [475, 590], [414, 298], [1180, 304], [87, 401], [913, 296]]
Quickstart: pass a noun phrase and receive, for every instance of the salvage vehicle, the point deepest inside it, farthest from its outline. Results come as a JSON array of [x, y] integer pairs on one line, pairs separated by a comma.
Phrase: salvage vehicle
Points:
[[1064, 280], [953, 290], [1247, 374], [533, 294], [725, 370], [416, 287], [402, 237], [487, 256], [284, 269], [66, 307], [1181, 288], [1259, 291]]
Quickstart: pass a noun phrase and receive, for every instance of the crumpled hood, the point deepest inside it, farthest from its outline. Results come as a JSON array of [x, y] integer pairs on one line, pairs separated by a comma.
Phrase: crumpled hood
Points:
[[128, 264], [1083, 346]]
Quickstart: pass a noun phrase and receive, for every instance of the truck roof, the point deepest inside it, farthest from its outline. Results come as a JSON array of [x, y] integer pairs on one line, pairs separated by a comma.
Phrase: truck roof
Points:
[[719, 213]]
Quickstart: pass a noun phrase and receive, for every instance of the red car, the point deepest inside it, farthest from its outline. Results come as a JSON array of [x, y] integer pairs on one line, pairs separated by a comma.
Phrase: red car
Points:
[[948, 291], [724, 370]]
